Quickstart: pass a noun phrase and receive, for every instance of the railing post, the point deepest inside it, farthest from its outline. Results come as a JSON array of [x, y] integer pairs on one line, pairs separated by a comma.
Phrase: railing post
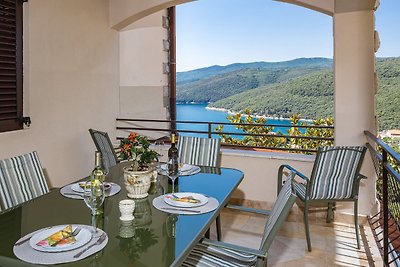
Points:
[[209, 129], [385, 209]]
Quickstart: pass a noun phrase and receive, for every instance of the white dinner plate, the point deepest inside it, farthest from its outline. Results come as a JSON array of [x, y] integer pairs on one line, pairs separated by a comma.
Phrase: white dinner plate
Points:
[[83, 237], [76, 187], [183, 167], [172, 199]]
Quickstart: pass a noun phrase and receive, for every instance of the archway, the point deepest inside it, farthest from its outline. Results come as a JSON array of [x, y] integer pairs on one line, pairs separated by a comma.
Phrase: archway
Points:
[[354, 66]]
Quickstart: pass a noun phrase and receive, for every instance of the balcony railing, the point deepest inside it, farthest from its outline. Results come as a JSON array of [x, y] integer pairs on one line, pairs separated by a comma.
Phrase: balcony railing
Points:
[[385, 224], [139, 125]]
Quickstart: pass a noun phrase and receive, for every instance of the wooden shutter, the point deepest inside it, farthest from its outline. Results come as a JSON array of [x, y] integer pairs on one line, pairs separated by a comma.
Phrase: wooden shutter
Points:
[[10, 65]]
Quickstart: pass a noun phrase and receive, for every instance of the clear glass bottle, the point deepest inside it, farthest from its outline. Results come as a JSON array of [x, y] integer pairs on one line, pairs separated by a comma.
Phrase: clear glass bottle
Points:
[[98, 173], [96, 180]]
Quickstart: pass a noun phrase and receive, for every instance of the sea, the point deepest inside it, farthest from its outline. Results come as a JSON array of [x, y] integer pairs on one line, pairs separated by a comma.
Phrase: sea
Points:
[[198, 112]]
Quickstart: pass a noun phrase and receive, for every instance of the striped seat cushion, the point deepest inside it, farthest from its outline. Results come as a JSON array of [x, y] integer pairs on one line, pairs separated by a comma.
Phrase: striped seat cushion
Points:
[[279, 212], [103, 144], [21, 179], [199, 151], [335, 171], [207, 256], [300, 190]]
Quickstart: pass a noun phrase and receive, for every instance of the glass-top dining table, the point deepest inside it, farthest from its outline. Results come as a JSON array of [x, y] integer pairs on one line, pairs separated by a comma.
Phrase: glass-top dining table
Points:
[[154, 238]]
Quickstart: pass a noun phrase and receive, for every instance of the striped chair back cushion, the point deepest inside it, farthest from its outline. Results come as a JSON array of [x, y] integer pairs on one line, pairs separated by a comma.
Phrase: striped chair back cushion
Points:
[[199, 151], [103, 144], [281, 209], [21, 179], [335, 171]]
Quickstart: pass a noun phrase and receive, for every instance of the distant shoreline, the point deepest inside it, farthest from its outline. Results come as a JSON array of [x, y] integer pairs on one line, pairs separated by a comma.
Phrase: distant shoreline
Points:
[[234, 112], [255, 116]]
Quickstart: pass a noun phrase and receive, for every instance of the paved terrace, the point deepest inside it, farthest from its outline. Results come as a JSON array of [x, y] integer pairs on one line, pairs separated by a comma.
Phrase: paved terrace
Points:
[[333, 244]]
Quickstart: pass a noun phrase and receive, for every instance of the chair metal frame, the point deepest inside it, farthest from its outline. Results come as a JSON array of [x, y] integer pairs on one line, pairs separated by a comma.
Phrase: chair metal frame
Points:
[[269, 236], [331, 202]]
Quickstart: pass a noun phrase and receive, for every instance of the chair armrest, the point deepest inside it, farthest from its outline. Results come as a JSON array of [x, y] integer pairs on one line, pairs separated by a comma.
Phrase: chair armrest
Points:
[[280, 175], [246, 209], [302, 176], [219, 244]]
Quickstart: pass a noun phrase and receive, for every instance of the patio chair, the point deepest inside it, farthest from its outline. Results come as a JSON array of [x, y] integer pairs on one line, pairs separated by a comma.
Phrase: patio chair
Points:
[[335, 177], [21, 179], [199, 151], [203, 152], [215, 253], [103, 144]]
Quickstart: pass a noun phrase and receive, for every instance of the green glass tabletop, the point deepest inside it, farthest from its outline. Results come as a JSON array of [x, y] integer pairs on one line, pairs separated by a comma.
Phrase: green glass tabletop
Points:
[[154, 238]]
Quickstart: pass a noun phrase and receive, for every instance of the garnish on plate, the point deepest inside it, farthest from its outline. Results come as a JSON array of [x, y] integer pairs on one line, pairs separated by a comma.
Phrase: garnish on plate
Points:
[[187, 199], [106, 185], [61, 237]]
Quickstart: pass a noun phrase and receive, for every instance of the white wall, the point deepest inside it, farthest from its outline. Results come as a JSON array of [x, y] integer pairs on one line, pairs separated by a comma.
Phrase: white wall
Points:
[[142, 79], [70, 85]]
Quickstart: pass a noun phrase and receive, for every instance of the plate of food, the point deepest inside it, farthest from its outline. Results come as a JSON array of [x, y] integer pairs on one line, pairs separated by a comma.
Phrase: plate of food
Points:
[[185, 199], [60, 238], [80, 186], [183, 168]]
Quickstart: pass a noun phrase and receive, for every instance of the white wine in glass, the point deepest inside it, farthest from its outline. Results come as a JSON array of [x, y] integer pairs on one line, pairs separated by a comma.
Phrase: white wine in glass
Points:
[[93, 195]]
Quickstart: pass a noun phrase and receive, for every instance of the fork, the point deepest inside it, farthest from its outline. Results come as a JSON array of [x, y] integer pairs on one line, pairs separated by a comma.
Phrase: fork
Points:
[[74, 233], [99, 241], [28, 238]]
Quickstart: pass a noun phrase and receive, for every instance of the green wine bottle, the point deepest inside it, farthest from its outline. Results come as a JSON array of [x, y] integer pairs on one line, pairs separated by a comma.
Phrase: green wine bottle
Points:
[[173, 163]]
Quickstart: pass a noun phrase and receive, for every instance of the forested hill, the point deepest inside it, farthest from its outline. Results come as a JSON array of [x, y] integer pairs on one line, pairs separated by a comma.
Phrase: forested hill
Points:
[[209, 72], [312, 96], [303, 86], [309, 95]]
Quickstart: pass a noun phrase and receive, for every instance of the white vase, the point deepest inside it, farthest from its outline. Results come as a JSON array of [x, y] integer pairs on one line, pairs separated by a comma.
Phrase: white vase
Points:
[[137, 183]]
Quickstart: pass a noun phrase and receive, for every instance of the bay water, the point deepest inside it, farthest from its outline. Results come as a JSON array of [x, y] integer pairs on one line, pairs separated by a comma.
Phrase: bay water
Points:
[[198, 112]]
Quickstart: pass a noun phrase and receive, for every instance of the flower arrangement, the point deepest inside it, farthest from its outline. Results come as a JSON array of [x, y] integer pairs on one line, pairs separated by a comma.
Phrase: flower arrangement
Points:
[[137, 148]]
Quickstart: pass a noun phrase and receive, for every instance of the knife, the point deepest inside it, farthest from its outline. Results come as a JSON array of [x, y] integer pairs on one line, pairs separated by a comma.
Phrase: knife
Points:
[[178, 209], [99, 241]]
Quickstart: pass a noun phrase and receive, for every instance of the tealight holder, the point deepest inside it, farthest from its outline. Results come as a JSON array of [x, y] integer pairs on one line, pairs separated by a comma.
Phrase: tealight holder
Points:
[[126, 207]]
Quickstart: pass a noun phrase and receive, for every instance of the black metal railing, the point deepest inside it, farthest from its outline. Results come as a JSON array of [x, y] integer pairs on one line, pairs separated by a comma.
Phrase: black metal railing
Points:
[[138, 125], [385, 224]]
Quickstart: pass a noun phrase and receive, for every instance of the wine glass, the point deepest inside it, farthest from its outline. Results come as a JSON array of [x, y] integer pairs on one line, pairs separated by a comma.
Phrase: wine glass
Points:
[[159, 146], [173, 173], [93, 195]]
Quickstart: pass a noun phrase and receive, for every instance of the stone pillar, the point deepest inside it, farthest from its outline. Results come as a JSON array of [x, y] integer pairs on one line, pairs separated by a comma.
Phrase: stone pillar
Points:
[[143, 78], [354, 108]]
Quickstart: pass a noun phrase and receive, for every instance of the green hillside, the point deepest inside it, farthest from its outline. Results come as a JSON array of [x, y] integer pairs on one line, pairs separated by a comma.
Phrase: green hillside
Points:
[[220, 86], [203, 73], [388, 99], [311, 95]]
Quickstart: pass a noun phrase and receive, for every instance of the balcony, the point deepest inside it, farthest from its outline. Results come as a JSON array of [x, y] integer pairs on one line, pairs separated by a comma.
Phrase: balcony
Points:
[[335, 242], [85, 69]]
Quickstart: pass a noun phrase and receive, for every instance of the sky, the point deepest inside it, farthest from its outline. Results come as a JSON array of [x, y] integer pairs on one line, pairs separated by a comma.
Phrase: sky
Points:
[[222, 32]]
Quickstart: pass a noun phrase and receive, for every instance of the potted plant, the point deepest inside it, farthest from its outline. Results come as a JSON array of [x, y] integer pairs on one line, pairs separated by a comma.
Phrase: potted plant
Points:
[[140, 173]]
